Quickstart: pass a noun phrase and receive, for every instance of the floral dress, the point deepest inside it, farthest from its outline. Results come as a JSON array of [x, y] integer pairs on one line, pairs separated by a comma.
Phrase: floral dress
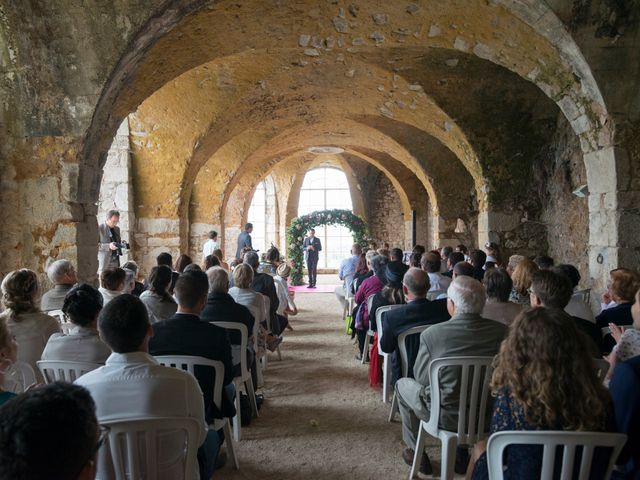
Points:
[[629, 345]]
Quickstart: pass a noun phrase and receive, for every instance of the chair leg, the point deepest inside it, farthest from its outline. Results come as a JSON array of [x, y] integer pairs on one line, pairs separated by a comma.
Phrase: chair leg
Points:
[[237, 428], [394, 406], [279, 354], [248, 385], [448, 455], [417, 456], [231, 445], [385, 379]]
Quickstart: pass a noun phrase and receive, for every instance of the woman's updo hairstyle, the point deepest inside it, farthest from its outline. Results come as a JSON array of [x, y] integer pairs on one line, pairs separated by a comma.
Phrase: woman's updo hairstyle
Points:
[[19, 290]]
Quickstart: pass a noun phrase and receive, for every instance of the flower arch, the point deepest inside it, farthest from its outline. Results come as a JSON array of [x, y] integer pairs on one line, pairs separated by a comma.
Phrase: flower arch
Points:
[[301, 225]]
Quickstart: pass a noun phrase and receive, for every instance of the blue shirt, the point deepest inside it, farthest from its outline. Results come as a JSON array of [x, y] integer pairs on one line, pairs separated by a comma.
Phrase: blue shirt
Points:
[[348, 267]]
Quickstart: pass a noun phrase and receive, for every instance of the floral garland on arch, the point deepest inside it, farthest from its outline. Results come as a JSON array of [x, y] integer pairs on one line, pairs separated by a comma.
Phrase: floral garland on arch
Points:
[[302, 224]]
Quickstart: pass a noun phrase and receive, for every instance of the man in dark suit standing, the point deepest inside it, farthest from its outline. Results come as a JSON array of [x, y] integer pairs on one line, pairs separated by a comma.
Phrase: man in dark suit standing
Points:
[[108, 250], [417, 311], [244, 239], [312, 246]]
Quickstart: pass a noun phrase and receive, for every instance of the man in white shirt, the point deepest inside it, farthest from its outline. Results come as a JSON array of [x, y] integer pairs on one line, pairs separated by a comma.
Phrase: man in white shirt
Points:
[[210, 245], [346, 273], [431, 264], [133, 385]]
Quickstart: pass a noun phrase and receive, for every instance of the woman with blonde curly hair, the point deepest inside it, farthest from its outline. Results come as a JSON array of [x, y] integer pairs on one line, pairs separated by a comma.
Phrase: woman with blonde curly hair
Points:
[[522, 276], [30, 327], [544, 379]]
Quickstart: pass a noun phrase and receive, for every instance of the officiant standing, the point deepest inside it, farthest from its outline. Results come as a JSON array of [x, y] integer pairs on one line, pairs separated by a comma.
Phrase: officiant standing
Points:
[[312, 247]]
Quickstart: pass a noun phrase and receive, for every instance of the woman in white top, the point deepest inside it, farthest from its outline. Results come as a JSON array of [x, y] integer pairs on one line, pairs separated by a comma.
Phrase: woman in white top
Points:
[[30, 327], [82, 305], [286, 306], [112, 283], [160, 305]]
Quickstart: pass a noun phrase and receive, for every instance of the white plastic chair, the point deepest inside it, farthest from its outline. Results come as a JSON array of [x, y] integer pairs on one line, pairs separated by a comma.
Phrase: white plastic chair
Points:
[[404, 361], [348, 296], [188, 364], [134, 444], [584, 294], [386, 362], [602, 367], [61, 370], [571, 441], [19, 377], [267, 313], [244, 380], [474, 396], [63, 320]]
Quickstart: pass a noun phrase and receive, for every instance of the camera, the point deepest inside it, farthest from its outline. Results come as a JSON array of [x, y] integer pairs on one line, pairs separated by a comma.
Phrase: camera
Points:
[[121, 246]]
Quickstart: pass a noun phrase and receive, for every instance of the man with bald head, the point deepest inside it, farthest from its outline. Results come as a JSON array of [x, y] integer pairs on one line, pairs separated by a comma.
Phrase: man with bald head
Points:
[[417, 311]]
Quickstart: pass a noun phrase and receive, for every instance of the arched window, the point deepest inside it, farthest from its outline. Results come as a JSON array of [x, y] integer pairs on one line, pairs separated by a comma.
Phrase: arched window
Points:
[[323, 189], [262, 214]]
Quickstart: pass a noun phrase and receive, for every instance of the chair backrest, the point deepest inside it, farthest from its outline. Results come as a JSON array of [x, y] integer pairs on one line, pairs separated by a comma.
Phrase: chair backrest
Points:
[[188, 364], [134, 446], [585, 295], [402, 345], [473, 398], [602, 368], [266, 310], [369, 302], [379, 313], [244, 336], [550, 440], [433, 295], [19, 376], [59, 370]]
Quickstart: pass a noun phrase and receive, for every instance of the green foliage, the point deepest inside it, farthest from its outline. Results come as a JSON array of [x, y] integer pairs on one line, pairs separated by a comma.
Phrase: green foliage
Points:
[[301, 225]]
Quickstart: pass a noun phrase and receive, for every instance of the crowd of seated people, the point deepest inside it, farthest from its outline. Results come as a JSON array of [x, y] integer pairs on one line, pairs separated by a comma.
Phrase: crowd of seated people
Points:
[[537, 322], [116, 330]]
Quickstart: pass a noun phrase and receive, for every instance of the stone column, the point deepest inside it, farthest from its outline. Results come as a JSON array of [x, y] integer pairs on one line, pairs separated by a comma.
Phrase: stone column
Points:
[[492, 224]]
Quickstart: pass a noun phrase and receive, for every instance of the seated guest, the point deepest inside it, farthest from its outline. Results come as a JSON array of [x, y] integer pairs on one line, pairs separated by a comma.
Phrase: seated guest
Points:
[[133, 385], [221, 307], [287, 306], [362, 272], [29, 326], [210, 261], [369, 287], [186, 334], [37, 446], [417, 311], [346, 273], [419, 249], [218, 254], [160, 304], [129, 281], [628, 341], [536, 388], [577, 307], [415, 260], [358, 279], [625, 393], [466, 334], [514, 260], [521, 276], [384, 252], [622, 287], [63, 276], [192, 267], [111, 283], [454, 259], [498, 285], [263, 283], [82, 305], [463, 250], [8, 356], [552, 289], [439, 283], [395, 257], [183, 261], [444, 258], [391, 294], [478, 258], [493, 253], [167, 260], [139, 286], [271, 262], [463, 269], [543, 262]]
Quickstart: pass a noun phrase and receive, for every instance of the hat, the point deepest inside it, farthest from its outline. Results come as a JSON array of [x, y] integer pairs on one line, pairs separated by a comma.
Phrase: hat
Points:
[[395, 272], [283, 270]]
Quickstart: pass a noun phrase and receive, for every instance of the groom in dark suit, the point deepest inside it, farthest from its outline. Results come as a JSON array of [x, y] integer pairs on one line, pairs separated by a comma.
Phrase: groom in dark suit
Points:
[[311, 247]]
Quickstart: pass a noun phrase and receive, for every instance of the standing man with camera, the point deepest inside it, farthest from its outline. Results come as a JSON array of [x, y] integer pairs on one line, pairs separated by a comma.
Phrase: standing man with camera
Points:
[[110, 246]]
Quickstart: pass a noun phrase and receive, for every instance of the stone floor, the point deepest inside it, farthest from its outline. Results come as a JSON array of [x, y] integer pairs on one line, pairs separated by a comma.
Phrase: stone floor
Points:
[[320, 419]]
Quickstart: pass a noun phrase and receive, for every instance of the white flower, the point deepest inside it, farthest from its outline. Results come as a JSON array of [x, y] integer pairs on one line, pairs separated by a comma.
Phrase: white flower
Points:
[[299, 239]]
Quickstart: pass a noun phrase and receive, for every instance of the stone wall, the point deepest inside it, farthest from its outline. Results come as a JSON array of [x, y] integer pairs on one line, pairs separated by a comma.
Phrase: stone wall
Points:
[[386, 219]]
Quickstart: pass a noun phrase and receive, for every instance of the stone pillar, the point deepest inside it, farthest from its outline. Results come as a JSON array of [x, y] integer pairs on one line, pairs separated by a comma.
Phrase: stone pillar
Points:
[[116, 190], [492, 224]]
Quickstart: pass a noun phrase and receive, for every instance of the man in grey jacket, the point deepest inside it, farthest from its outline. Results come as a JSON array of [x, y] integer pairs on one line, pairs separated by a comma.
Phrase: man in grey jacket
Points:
[[108, 250], [466, 334], [244, 239]]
